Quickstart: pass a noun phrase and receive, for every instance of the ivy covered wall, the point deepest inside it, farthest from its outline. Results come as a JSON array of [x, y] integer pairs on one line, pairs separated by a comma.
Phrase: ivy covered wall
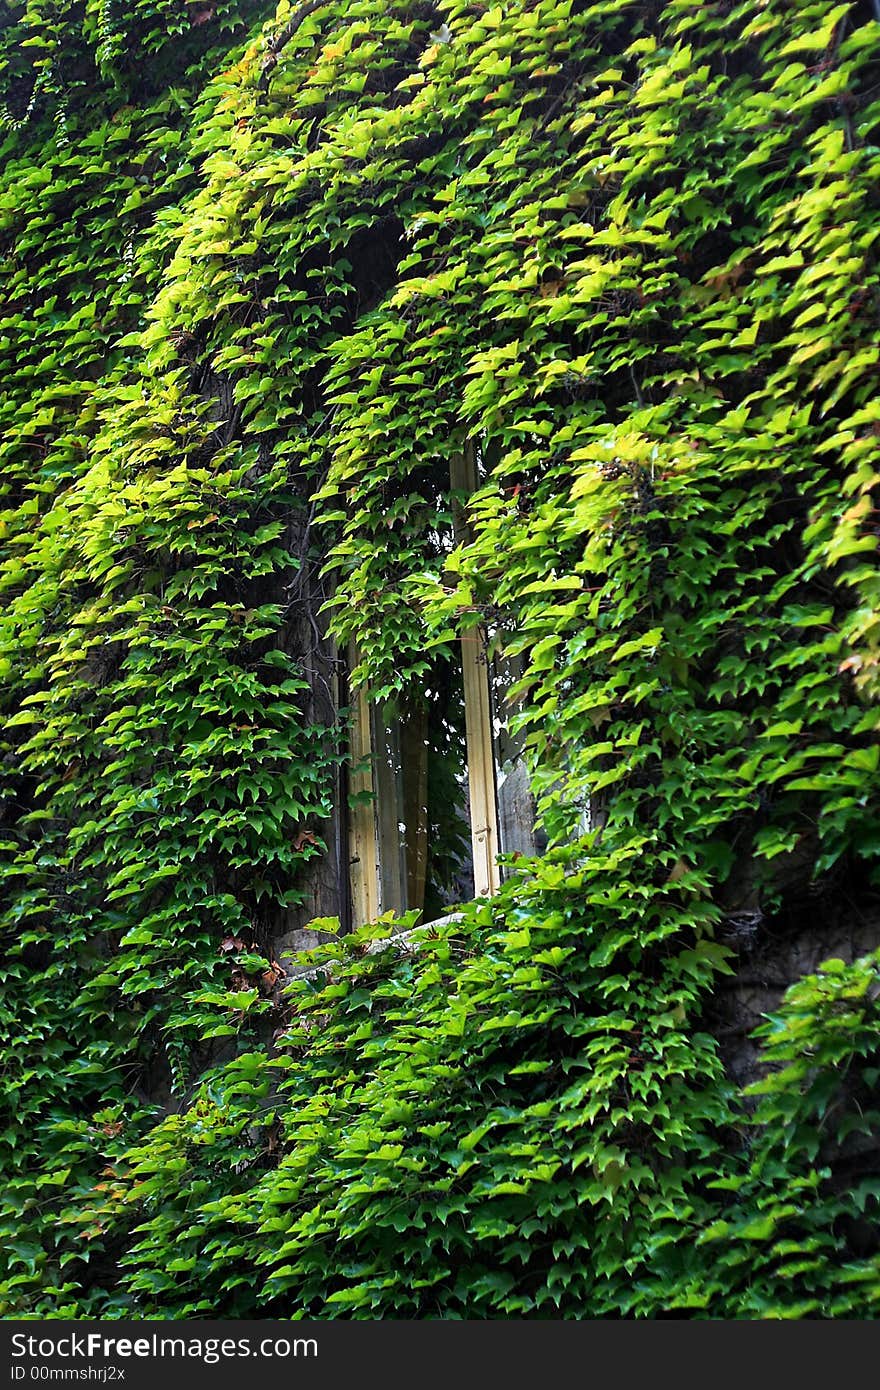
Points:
[[266, 273]]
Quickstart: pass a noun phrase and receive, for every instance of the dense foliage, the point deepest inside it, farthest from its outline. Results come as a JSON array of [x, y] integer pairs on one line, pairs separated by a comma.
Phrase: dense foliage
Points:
[[265, 274]]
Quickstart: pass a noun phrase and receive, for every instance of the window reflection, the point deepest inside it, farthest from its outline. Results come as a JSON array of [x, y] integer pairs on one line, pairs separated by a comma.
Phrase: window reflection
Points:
[[441, 789], [425, 858]]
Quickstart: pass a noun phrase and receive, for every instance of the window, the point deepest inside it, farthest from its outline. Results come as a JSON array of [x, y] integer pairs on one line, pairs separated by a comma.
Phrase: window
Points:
[[438, 787]]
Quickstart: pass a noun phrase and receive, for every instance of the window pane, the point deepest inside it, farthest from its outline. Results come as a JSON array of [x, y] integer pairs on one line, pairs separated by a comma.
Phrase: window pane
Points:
[[517, 812], [422, 810]]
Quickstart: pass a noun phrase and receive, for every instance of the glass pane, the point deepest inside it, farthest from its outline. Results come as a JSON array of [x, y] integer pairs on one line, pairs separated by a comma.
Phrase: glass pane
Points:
[[422, 811], [518, 827]]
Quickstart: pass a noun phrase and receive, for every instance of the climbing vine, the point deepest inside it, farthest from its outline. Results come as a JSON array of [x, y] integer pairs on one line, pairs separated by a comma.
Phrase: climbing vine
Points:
[[268, 272]]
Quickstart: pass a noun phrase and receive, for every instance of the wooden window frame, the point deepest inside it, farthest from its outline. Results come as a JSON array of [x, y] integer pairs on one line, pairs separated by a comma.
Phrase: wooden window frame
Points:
[[371, 802], [485, 840]]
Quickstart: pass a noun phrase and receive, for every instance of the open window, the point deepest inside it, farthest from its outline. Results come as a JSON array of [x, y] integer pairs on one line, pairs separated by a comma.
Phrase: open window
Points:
[[438, 787]]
